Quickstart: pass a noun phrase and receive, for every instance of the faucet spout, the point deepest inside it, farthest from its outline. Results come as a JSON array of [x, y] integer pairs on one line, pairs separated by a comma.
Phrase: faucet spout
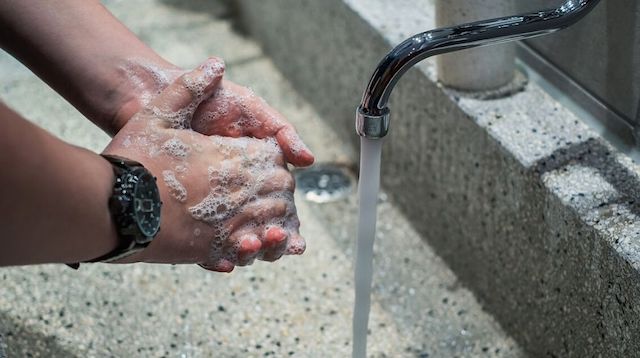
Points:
[[372, 117]]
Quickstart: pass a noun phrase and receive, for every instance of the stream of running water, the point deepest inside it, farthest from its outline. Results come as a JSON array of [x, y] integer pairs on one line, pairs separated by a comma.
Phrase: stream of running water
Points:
[[368, 186]]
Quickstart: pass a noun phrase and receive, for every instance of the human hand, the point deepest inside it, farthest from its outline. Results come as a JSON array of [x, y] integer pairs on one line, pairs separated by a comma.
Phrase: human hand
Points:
[[232, 110], [236, 111], [226, 200]]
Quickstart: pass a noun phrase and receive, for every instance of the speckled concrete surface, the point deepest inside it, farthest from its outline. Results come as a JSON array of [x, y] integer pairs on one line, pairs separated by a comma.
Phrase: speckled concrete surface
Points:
[[531, 208], [299, 306]]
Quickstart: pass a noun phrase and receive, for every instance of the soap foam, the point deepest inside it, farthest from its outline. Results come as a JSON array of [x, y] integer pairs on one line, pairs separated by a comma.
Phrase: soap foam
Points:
[[148, 78], [230, 191], [234, 181], [176, 148], [229, 103], [176, 189], [182, 169]]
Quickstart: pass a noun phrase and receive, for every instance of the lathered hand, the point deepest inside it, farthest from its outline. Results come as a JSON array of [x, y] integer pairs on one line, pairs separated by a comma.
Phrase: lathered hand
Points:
[[226, 200]]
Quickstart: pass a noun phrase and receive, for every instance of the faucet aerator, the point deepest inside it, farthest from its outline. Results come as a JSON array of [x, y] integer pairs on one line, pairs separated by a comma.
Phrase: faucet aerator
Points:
[[372, 126]]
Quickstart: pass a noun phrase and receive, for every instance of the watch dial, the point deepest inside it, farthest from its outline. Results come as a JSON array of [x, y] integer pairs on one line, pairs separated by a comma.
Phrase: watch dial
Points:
[[147, 205]]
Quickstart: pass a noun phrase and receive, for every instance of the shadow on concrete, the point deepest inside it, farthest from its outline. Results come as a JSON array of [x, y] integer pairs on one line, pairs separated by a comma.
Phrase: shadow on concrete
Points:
[[222, 9], [22, 341], [595, 154]]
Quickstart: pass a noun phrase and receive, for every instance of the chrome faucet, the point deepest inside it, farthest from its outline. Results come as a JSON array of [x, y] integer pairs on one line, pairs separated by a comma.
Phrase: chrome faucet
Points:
[[372, 117]]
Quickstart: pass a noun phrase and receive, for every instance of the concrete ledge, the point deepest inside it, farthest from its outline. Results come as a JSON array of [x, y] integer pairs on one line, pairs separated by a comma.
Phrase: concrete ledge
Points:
[[532, 210]]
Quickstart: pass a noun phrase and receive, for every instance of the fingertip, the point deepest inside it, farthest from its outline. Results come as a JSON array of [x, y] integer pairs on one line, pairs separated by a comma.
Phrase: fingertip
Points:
[[294, 149], [213, 69], [274, 236], [250, 244], [299, 158], [297, 245], [249, 248], [213, 63], [306, 158], [222, 265]]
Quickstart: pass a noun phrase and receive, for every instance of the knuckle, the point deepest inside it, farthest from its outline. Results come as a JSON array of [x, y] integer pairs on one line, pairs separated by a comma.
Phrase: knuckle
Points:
[[285, 180]]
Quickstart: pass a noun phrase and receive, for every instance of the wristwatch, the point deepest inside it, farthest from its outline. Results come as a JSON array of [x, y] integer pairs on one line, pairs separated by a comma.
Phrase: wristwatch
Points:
[[135, 207]]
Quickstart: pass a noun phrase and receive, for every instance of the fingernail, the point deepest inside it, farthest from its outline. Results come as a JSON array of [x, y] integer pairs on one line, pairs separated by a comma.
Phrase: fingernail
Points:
[[275, 235], [250, 245]]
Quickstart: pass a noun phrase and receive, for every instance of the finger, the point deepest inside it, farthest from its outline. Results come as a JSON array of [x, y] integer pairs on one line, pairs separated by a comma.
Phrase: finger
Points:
[[222, 265], [235, 111], [296, 244], [219, 115], [294, 149], [249, 249], [178, 101], [272, 123], [259, 212], [274, 243], [280, 181], [265, 151]]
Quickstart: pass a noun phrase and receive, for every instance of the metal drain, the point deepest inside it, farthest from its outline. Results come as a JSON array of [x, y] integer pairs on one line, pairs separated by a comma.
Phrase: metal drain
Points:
[[323, 183]]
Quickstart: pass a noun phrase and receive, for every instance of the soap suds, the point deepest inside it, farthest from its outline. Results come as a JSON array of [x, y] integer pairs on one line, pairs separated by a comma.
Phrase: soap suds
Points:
[[176, 189], [176, 148], [235, 180]]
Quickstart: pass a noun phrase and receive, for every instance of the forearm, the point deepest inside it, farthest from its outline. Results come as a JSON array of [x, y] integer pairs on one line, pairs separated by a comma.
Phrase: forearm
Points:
[[53, 197], [79, 49]]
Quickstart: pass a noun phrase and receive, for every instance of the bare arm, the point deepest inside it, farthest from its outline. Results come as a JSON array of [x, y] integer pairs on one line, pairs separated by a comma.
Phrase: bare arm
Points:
[[101, 68], [80, 50], [236, 202], [53, 197]]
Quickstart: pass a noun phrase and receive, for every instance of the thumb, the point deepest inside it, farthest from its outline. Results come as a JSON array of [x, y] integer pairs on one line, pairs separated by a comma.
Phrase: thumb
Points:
[[178, 101]]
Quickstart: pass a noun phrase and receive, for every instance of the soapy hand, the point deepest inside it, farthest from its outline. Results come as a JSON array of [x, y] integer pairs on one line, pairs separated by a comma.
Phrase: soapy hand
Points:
[[236, 111], [227, 201], [231, 110]]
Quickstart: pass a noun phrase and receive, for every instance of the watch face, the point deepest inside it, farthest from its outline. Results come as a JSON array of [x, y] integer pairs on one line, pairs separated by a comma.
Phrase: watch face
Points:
[[146, 205]]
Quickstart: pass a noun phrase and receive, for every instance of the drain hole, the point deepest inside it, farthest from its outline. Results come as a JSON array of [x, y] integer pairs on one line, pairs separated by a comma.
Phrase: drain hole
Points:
[[323, 183]]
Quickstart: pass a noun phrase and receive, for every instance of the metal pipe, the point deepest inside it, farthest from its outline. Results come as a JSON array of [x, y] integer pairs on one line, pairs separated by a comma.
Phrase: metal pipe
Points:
[[372, 117]]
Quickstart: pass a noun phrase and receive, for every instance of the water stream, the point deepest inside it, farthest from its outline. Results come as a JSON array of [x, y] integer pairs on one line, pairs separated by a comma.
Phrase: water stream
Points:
[[368, 186]]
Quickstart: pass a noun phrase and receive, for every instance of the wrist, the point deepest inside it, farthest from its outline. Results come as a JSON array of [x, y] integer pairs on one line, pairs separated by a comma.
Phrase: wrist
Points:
[[134, 83], [134, 207], [97, 231]]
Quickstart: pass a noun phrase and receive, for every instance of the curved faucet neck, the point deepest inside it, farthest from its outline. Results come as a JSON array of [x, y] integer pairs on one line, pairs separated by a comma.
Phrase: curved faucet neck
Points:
[[373, 107]]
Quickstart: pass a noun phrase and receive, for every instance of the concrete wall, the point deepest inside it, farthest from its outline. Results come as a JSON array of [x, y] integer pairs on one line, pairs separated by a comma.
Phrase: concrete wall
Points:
[[602, 53], [534, 212]]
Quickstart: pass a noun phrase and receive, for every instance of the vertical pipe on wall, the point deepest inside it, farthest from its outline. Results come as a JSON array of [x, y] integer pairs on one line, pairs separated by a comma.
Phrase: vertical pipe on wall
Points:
[[478, 69]]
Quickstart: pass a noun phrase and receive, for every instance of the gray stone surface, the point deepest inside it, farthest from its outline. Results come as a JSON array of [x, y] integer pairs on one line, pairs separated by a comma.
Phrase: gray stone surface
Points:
[[299, 306], [3, 352], [602, 53], [531, 209]]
